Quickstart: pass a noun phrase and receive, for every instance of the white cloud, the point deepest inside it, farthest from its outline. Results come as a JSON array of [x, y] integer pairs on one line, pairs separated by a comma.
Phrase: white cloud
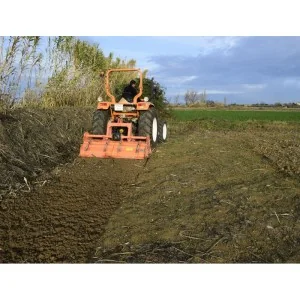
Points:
[[178, 80], [292, 82], [209, 45], [224, 92], [259, 86], [203, 45], [188, 78], [181, 92]]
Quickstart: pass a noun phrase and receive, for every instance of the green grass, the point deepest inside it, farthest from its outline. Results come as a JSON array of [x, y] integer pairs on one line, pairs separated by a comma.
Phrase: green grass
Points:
[[197, 114]]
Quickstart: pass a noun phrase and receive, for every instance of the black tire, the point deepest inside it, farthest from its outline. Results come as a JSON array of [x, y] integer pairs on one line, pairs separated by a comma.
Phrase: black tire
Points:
[[162, 131], [146, 125], [99, 123]]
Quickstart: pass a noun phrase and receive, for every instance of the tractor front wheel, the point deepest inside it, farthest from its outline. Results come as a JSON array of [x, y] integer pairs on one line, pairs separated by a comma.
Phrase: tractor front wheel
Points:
[[99, 123]]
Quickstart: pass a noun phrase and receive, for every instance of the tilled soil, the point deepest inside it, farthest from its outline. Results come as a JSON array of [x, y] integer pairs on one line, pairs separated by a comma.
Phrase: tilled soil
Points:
[[207, 195], [212, 196], [63, 220]]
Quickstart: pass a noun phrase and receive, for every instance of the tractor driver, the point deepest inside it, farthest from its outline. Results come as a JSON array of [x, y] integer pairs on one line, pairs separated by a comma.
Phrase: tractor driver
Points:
[[130, 91]]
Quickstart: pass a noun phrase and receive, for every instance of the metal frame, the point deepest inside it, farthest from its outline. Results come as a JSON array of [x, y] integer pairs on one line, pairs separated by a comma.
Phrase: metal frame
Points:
[[107, 86]]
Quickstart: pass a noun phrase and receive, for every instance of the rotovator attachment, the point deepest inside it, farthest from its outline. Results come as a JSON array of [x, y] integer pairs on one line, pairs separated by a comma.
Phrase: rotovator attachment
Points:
[[123, 129], [114, 144]]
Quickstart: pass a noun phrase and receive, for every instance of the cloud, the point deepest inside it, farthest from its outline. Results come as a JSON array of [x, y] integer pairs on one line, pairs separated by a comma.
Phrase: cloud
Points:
[[253, 59], [188, 78], [179, 80], [256, 68], [203, 45], [254, 86], [292, 82], [181, 92], [268, 65], [210, 45], [223, 92]]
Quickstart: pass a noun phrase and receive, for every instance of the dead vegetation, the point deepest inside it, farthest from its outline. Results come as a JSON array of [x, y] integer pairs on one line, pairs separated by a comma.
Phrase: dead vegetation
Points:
[[224, 198], [34, 141], [281, 148]]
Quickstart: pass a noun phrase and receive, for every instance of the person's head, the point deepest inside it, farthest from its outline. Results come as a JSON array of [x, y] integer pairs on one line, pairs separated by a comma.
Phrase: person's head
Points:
[[132, 83]]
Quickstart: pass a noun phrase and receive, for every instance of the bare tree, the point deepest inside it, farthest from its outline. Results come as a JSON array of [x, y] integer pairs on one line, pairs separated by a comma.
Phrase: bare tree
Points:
[[193, 97], [176, 99], [203, 97], [190, 97]]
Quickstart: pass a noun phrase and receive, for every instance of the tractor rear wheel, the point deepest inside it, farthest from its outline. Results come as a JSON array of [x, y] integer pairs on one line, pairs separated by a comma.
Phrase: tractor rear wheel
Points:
[[148, 125], [99, 123], [162, 131]]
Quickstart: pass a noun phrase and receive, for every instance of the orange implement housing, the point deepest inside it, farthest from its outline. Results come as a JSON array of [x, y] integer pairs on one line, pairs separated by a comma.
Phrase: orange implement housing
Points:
[[103, 146], [128, 146]]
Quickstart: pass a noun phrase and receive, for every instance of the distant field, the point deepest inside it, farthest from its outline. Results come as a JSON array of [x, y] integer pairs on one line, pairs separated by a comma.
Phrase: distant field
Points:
[[198, 114]]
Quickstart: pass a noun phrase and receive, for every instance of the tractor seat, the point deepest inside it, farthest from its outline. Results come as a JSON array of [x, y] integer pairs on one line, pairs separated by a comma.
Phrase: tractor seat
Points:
[[124, 101]]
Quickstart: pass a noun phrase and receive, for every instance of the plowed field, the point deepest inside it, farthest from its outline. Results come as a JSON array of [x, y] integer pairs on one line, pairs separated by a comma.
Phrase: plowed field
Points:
[[212, 194]]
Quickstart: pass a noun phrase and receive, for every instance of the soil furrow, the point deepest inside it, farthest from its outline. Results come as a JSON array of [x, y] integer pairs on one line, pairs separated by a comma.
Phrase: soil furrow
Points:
[[62, 221]]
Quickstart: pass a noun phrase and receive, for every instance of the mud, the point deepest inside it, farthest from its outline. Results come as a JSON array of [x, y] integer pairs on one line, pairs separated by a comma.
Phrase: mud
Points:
[[62, 220]]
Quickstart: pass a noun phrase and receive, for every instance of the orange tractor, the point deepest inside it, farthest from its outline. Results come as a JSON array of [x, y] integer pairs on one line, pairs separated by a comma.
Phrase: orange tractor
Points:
[[123, 129]]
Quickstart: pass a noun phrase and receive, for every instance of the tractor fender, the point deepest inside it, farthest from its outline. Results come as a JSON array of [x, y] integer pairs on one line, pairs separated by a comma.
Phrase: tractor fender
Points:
[[103, 105], [144, 105]]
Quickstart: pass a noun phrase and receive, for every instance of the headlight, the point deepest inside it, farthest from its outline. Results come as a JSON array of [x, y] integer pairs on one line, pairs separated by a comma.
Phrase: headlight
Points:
[[146, 99], [100, 99]]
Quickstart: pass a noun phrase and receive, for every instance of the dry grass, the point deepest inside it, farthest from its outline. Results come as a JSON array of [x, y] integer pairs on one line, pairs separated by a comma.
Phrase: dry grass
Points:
[[34, 141], [212, 196]]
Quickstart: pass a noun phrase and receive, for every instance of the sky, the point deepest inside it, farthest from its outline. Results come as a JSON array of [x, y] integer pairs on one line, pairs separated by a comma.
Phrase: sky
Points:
[[245, 70]]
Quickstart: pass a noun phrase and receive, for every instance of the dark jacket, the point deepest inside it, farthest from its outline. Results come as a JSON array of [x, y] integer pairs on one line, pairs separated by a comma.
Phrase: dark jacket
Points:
[[129, 93]]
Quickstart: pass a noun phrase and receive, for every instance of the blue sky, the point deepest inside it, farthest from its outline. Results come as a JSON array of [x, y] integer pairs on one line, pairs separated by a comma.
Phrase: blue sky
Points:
[[242, 69]]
